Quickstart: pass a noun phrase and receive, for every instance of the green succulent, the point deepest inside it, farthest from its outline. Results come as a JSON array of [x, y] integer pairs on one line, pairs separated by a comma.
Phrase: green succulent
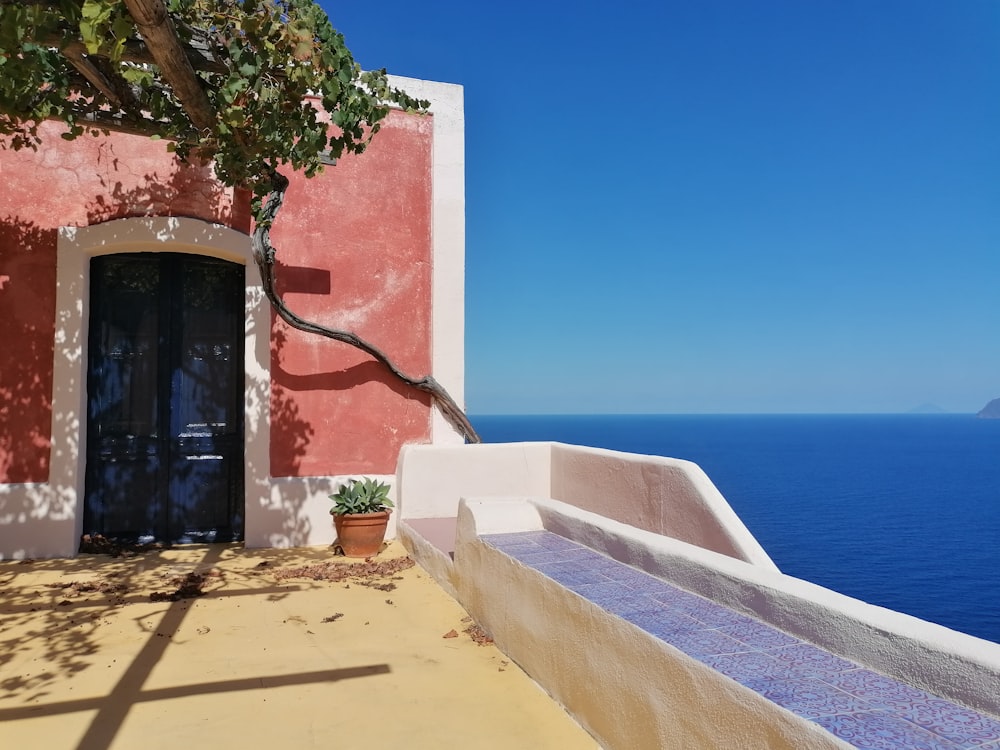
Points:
[[361, 496]]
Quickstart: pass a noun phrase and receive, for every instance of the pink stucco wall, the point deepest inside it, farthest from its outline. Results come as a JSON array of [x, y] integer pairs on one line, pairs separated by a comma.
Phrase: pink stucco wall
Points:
[[355, 250], [27, 307], [354, 247], [77, 183]]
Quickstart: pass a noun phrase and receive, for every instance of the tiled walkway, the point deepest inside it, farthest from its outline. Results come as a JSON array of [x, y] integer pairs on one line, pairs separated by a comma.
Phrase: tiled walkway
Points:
[[864, 708]]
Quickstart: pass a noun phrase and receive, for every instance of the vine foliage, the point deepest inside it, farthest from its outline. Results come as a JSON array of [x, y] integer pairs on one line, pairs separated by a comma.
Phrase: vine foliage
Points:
[[230, 81]]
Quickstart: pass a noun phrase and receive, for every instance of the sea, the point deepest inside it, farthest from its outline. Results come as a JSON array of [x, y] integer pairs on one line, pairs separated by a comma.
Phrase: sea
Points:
[[902, 511]]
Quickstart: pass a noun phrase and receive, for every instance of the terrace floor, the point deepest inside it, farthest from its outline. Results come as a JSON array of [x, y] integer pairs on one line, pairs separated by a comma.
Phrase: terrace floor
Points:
[[101, 652]]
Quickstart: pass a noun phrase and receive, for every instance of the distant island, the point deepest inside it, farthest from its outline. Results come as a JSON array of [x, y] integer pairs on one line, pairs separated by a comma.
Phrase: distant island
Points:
[[991, 410]]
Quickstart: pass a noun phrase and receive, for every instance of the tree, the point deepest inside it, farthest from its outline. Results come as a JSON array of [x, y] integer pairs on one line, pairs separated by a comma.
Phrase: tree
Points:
[[220, 80]]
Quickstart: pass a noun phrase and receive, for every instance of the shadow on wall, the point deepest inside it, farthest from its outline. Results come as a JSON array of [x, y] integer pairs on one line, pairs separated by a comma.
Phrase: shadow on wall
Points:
[[27, 305], [27, 309], [365, 413], [391, 413], [189, 190], [27, 302], [345, 380], [302, 280], [284, 520]]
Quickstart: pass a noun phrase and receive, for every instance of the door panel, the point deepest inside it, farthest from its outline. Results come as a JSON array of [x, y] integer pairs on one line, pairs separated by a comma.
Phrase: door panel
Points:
[[207, 402], [122, 434], [165, 385]]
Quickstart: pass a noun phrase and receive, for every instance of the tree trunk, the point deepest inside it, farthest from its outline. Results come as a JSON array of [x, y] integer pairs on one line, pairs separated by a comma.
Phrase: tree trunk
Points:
[[264, 252]]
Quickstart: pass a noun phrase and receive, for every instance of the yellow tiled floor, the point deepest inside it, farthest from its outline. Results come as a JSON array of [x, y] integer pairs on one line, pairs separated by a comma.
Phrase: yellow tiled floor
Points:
[[88, 661]]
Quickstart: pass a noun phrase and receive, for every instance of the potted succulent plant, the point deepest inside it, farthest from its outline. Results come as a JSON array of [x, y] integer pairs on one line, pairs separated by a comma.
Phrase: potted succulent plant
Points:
[[360, 511]]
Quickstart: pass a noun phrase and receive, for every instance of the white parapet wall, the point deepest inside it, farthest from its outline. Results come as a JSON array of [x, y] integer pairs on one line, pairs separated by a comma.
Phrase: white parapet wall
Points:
[[431, 479], [683, 532], [665, 496], [626, 687], [662, 495], [943, 661]]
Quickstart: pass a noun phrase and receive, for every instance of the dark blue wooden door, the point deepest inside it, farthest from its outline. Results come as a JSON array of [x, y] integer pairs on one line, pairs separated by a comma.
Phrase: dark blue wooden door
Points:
[[165, 399]]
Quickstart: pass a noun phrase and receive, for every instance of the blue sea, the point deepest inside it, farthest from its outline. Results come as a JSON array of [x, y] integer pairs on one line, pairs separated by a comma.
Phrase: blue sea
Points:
[[902, 511]]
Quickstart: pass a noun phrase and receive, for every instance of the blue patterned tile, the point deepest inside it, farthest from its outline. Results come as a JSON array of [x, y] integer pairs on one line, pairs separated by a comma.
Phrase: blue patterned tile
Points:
[[630, 576], [602, 591], [713, 615], [619, 599], [869, 710], [610, 568], [637, 604], [677, 597], [655, 589], [534, 558], [698, 643], [569, 573], [962, 726], [663, 624], [515, 549], [877, 689], [882, 731], [808, 698], [509, 547], [595, 560], [556, 542], [517, 537], [746, 666], [757, 634], [616, 598], [811, 661]]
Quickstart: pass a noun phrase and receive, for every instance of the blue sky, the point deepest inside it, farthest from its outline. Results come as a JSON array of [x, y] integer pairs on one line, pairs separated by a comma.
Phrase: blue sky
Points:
[[720, 206]]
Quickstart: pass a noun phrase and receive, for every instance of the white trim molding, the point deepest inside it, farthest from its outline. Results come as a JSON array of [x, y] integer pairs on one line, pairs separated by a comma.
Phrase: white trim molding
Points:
[[447, 242], [54, 527]]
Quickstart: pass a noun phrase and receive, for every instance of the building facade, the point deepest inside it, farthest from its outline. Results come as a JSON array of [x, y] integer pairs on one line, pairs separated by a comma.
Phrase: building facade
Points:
[[146, 389]]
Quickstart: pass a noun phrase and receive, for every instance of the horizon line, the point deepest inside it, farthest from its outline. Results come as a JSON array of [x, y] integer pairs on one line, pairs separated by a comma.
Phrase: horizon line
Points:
[[731, 414]]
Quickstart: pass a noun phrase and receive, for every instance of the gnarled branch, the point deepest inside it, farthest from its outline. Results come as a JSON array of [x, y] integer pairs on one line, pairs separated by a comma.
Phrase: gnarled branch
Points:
[[264, 252], [248, 114]]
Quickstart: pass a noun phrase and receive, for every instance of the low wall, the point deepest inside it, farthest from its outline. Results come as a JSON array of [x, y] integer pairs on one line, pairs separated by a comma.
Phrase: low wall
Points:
[[661, 495], [683, 532], [432, 479], [666, 496], [626, 687], [946, 662]]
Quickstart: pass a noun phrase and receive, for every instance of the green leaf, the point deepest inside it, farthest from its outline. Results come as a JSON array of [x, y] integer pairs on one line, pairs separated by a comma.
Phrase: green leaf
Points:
[[275, 53]]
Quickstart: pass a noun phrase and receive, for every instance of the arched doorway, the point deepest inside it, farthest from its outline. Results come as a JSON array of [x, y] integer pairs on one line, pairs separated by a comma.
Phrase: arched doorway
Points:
[[165, 385]]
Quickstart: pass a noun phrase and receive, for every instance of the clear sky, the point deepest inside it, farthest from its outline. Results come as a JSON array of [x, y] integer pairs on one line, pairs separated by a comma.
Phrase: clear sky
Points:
[[719, 206]]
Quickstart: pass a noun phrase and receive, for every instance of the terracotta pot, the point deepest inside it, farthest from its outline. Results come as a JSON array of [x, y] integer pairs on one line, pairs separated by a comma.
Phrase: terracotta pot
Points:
[[361, 534]]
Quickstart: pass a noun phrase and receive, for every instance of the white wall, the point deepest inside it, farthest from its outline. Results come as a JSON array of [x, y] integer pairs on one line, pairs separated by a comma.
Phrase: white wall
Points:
[[448, 241], [943, 661], [663, 495], [693, 540], [626, 687], [430, 480]]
